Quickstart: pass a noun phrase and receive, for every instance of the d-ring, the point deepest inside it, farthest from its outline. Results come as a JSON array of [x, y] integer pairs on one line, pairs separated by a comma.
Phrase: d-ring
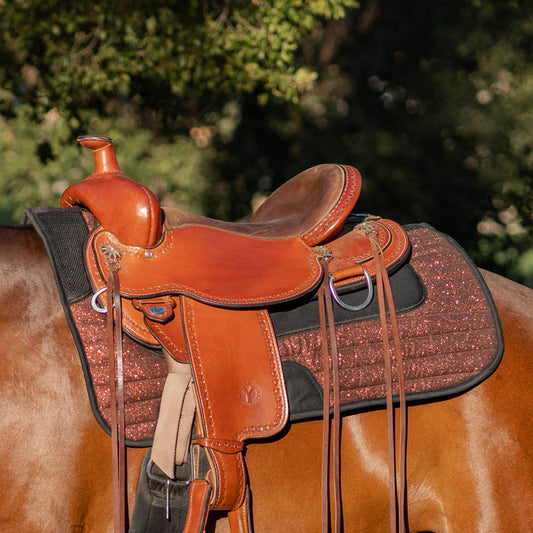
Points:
[[349, 307], [94, 302]]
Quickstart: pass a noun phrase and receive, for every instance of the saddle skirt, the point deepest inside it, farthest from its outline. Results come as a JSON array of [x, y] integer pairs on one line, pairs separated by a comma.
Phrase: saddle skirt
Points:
[[232, 270]]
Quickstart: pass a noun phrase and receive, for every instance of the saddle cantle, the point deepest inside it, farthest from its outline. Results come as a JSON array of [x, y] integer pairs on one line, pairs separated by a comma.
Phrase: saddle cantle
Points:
[[200, 288]]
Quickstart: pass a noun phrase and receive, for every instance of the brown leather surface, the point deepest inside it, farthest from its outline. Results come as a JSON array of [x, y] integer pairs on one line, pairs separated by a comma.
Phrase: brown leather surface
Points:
[[353, 248], [133, 323], [387, 313], [121, 205], [231, 481], [313, 205], [244, 396], [125, 207], [104, 153], [238, 396], [350, 251], [240, 519], [116, 386], [198, 507], [210, 265]]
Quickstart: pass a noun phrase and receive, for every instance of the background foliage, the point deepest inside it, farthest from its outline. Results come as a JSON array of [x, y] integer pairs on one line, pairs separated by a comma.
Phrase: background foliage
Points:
[[214, 103]]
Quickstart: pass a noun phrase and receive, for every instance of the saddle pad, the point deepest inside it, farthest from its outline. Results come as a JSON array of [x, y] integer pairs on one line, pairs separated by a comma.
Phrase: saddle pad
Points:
[[449, 327], [450, 343], [65, 232]]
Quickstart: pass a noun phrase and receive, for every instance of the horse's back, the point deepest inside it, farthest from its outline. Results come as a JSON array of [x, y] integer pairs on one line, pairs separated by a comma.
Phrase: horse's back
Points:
[[469, 458], [475, 448]]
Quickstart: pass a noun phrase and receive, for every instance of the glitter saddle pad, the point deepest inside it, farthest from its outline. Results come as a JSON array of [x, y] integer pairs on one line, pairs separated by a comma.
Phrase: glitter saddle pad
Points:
[[449, 328]]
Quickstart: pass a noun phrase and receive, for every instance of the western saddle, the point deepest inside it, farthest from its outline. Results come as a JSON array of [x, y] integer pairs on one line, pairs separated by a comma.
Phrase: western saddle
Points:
[[201, 289]]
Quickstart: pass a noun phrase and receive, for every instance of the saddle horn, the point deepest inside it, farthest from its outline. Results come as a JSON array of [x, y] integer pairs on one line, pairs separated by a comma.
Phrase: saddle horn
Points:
[[104, 153], [122, 206]]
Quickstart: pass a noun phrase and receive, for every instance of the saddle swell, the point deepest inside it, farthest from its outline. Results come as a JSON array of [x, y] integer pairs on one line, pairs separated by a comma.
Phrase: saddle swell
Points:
[[120, 204]]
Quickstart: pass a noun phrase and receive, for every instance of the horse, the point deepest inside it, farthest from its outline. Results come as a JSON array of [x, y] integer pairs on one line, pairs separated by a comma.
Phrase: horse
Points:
[[469, 457]]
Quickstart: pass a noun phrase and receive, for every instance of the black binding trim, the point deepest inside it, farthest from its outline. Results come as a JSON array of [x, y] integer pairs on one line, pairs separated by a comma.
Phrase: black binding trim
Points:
[[64, 233], [302, 394]]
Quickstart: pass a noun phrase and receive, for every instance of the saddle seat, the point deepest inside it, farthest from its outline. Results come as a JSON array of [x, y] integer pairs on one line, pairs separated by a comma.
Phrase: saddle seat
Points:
[[312, 206]]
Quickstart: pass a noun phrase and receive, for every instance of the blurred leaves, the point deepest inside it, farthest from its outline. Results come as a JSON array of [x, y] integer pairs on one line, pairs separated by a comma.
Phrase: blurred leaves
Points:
[[434, 108], [74, 55], [162, 78], [211, 103], [39, 161]]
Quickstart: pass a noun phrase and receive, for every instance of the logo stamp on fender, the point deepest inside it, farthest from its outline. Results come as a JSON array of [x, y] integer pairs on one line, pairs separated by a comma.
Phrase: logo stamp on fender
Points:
[[250, 394]]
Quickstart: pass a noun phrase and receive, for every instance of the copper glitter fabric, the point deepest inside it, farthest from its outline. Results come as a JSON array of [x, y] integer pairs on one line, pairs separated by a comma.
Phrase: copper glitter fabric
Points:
[[144, 375], [448, 343]]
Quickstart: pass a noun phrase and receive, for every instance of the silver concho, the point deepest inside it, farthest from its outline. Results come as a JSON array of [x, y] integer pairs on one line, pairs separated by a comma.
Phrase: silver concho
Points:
[[111, 251]]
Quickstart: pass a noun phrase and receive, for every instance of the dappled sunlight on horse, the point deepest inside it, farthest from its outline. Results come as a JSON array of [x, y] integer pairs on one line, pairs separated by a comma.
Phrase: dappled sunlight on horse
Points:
[[469, 457]]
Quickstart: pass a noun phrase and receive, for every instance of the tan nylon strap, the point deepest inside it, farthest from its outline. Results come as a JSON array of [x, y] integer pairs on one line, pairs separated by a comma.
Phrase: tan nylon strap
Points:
[[116, 385], [176, 417]]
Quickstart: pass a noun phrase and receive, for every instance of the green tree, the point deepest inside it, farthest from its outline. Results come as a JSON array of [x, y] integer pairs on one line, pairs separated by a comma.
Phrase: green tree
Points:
[[432, 105], [213, 102], [156, 76], [169, 57]]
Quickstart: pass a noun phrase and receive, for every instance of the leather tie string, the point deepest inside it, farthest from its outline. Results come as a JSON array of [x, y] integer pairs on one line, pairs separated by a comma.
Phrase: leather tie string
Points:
[[331, 366], [116, 385], [397, 493], [386, 302]]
